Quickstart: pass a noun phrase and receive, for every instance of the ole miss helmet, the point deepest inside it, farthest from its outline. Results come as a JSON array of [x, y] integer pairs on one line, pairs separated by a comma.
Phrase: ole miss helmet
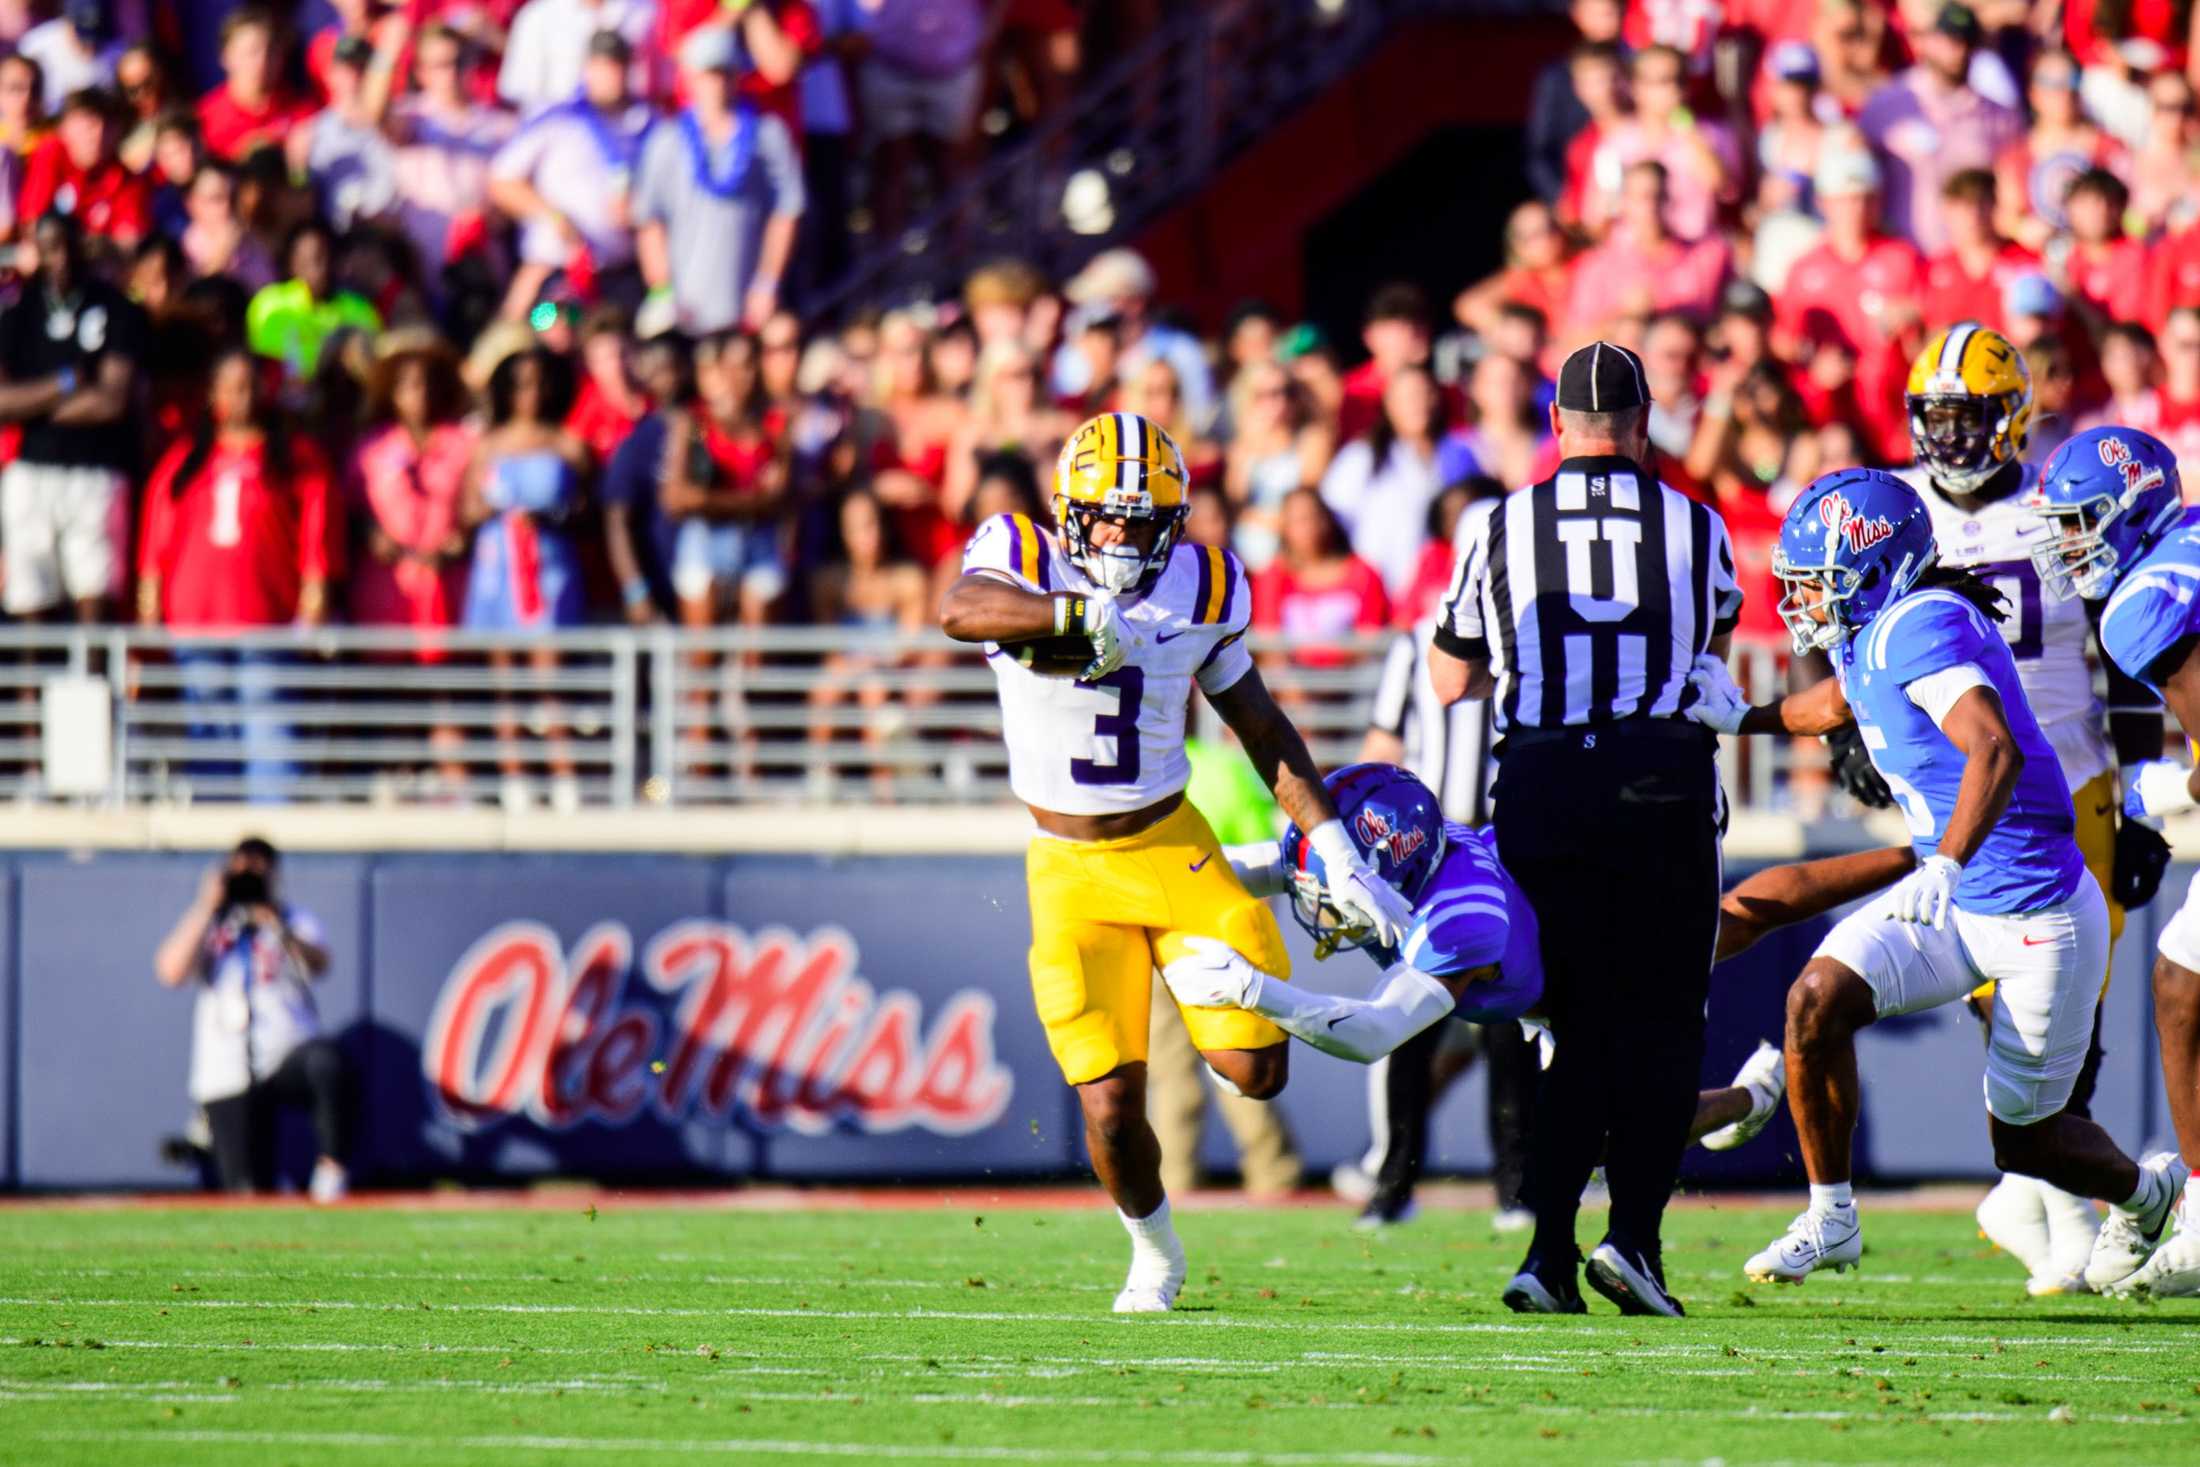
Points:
[[2107, 494], [1397, 825], [1852, 542]]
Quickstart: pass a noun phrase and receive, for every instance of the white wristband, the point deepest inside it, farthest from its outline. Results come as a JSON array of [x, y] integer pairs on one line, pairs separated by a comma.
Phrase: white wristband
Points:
[[1336, 849]]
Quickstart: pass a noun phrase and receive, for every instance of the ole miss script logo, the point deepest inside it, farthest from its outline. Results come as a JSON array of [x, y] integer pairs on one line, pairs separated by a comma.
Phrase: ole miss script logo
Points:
[[768, 1028], [1375, 832], [2117, 455], [1861, 533]]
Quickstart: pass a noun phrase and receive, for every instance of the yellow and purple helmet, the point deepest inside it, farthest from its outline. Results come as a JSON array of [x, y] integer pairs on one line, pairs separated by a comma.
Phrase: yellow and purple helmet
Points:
[[1120, 466], [1970, 401]]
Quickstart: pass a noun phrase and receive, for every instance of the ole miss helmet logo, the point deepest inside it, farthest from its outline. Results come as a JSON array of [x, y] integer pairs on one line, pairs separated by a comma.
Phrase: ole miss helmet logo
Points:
[[1375, 832], [1860, 533], [2117, 455]]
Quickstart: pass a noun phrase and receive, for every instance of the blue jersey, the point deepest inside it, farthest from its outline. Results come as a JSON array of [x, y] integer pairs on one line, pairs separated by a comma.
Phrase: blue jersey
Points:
[[2030, 858], [2156, 604], [1470, 914]]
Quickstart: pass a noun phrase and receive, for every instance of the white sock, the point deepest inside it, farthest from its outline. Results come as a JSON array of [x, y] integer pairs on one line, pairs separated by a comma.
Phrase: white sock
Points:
[[1827, 1198], [2142, 1201], [1153, 1235], [2068, 1205]]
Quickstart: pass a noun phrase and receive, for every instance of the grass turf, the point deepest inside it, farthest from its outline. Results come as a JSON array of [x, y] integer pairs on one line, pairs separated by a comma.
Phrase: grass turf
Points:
[[627, 1333]]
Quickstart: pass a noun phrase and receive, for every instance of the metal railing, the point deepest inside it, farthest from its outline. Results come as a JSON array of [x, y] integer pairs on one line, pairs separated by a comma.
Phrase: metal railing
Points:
[[1141, 134], [605, 717]]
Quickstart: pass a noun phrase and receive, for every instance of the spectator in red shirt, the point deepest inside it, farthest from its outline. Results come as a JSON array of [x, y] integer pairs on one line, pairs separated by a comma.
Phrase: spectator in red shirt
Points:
[[1965, 283], [1595, 69], [1850, 37], [1644, 266], [1538, 272], [2034, 173], [2106, 268], [2165, 165], [609, 403], [1701, 161], [1396, 335], [1316, 587], [76, 172], [2179, 396], [235, 535], [252, 108], [1860, 288]]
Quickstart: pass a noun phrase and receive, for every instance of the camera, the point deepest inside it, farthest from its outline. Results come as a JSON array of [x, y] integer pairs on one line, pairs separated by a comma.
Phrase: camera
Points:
[[245, 889]]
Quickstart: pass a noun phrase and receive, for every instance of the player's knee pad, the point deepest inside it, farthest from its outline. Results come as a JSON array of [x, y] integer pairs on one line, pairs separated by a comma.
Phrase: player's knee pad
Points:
[[1250, 927]]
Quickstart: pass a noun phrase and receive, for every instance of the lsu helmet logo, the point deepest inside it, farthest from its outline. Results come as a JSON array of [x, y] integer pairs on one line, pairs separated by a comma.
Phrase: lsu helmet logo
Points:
[[1860, 533], [1373, 829]]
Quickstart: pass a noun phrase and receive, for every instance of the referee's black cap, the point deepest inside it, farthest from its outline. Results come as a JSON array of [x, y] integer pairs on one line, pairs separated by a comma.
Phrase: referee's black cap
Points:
[[1602, 378]]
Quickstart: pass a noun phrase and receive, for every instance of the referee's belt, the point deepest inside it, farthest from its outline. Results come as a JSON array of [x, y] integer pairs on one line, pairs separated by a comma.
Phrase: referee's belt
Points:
[[1632, 730]]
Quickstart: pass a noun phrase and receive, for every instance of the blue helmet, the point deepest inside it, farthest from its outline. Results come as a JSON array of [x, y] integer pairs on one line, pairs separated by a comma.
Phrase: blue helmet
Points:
[[1395, 822], [2107, 495], [1853, 541]]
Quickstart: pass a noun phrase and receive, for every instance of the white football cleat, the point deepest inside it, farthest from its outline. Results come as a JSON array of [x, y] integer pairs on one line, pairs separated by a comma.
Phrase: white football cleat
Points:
[[2128, 1239], [1815, 1240], [2013, 1217], [2072, 1224], [1764, 1076], [331, 1183], [1512, 1220], [1154, 1280], [1352, 1181], [2174, 1270]]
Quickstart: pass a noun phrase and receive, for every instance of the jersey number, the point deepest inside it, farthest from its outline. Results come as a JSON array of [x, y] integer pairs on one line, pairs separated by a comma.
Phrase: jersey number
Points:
[[1916, 812], [1121, 725], [2026, 630], [1579, 537]]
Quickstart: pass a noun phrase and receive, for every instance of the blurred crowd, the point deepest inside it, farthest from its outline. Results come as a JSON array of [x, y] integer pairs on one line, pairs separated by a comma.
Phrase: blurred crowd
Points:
[[489, 315]]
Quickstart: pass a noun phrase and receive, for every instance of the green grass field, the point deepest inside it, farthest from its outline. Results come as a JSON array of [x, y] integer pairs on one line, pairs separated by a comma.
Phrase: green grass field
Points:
[[187, 1336]]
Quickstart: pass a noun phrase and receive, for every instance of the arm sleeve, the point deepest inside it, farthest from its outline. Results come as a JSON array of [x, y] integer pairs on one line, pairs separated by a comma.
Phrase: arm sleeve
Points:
[[1362, 1030], [1009, 546], [1259, 867], [1726, 588], [1394, 693], [1459, 628], [2143, 621], [1344, 486], [775, 148], [1228, 660], [1937, 692]]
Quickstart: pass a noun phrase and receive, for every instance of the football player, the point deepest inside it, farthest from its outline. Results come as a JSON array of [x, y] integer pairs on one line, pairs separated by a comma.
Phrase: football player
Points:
[[1097, 634], [2001, 891], [2118, 529], [1472, 951], [1970, 410]]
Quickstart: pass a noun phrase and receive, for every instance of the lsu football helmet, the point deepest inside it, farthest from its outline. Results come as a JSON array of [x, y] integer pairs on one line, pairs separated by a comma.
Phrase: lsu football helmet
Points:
[[1852, 542], [2109, 494], [1970, 402], [1120, 466], [1395, 824]]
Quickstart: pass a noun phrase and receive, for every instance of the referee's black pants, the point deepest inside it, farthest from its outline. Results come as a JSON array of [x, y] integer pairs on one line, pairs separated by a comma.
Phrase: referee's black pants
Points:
[[1613, 834]]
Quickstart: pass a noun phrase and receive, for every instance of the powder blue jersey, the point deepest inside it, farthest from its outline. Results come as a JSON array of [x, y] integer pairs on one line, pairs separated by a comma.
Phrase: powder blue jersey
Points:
[[1470, 914], [2030, 858], [2156, 604]]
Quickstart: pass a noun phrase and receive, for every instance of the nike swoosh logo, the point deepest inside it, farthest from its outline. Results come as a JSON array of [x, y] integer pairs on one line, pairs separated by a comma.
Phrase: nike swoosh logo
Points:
[[1169, 636], [2100, 809], [1203, 860], [2037, 941]]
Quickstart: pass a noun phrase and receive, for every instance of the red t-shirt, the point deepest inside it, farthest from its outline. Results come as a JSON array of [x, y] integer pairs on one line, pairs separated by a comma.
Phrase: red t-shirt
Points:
[[1951, 295], [2173, 275], [798, 18], [1354, 604], [2153, 19], [1754, 526], [230, 548], [107, 199], [2112, 281], [598, 422], [232, 130]]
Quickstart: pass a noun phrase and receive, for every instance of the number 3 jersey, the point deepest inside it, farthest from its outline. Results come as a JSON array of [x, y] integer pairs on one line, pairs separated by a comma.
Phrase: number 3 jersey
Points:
[[1116, 743], [2030, 858], [2046, 636]]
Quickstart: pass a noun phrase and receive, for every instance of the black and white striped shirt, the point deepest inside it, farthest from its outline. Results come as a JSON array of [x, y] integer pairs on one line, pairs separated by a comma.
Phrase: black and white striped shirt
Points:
[[1448, 749], [1589, 595]]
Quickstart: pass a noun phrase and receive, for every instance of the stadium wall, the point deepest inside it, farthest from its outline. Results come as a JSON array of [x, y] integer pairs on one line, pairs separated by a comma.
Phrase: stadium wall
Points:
[[665, 1018]]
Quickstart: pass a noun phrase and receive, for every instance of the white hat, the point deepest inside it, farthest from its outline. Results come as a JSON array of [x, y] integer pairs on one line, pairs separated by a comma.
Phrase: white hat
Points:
[[1111, 275], [1846, 171], [709, 48]]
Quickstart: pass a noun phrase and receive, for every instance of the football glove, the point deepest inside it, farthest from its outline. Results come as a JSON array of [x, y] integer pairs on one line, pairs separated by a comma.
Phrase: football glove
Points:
[[1213, 975], [1925, 895], [1852, 766], [1099, 619], [2136, 872], [2156, 787], [1355, 887], [1712, 698]]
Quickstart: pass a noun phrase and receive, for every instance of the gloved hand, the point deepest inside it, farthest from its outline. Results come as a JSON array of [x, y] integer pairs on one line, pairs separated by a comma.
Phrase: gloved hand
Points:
[[1114, 639], [1853, 768], [1713, 699], [1355, 887], [1213, 976], [1926, 894], [2156, 787], [2141, 857]]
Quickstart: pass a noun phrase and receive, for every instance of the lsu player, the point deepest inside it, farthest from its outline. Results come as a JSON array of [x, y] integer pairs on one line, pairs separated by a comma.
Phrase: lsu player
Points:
[[1970, 411], [1473, 953], [2119, 530], [2001, 892], [1096, 639]]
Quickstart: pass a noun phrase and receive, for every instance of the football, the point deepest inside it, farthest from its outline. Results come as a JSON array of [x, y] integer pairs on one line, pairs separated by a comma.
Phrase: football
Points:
[[1051, 656]]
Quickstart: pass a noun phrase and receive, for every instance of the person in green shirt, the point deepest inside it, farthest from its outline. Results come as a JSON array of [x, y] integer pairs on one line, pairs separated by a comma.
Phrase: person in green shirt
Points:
[[1227, 790], [292, 319]]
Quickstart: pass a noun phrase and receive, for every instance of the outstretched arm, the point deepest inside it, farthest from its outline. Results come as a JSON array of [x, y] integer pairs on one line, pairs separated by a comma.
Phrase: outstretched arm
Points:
[[1363, 1030], [1781, 896]]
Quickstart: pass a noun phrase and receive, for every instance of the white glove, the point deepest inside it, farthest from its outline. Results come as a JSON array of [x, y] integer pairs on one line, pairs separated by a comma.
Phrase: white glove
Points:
[[1925, 895], [1356, 889], [1718, 703], [1113, 638], [2155, 787], [1213, 976]]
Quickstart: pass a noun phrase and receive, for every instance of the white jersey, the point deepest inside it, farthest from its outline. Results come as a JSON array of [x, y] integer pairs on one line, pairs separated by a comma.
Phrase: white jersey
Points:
[[2047, 636], [1116, 743]]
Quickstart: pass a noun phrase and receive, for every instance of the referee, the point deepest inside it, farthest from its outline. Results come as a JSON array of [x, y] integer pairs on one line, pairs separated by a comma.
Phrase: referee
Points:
[[1579, 605]]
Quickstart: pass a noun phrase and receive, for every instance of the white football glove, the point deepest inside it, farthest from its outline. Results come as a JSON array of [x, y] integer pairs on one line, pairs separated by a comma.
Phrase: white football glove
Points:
[[1114, 639], [1213, 975], [1718, 703], [2156, 787], [1925, 895], [1358, 892]]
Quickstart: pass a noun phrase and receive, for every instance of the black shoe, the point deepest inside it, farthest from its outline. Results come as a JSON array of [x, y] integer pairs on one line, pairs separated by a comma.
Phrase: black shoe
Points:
[[1544, 1288], [1386, 1210], [1633, 1278]]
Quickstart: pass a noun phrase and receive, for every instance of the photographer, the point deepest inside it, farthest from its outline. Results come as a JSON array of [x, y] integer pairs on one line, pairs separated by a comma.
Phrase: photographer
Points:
[[256, 1041]]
